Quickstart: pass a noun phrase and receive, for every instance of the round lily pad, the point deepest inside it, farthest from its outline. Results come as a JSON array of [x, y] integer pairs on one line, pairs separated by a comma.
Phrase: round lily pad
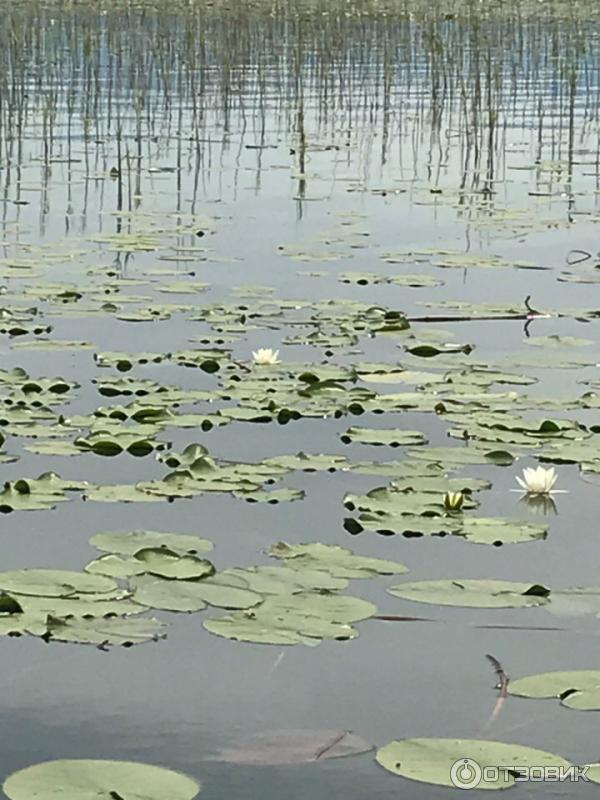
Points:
[[338, 561], [54, 582], [115, 566], [130, 542], [473, 593], [578, 689], [463, 763], [555, 684], [168, 564], [83, 779], [191, 596]]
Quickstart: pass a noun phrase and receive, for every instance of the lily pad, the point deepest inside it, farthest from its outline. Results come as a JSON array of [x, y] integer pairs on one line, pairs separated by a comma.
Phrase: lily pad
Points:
[[169, 564], [578, 689], [338, 561], [54, 583], [83, 779], [130, 542], [435, 761], [473, 593], [114, 631], [294, 619], [188, 596]]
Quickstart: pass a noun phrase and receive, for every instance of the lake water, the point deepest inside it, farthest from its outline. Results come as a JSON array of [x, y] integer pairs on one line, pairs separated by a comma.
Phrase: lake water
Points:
[[278, 147]]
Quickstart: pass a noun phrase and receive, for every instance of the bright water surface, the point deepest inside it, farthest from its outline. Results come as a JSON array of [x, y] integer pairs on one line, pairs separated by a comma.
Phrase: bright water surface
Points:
[[346, 132]]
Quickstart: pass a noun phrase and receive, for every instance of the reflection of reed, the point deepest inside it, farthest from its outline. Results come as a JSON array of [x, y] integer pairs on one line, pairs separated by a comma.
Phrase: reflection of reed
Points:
[[418, 77]]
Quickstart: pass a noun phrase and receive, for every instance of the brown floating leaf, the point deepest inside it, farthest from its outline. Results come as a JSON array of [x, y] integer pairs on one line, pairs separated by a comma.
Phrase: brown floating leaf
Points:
[[294, 747]]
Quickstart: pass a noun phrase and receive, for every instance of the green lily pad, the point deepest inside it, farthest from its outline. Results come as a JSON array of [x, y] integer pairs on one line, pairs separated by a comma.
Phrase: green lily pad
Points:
[[191, 596], [282, 580], [435, 761], [54, 583], [294, 619], [338, 561], [473, 593], [34, 494], [273, 496], [130, 542], [107, 443], [578, 689], [114, 631], [114, 566], [463, 455], [78, 606], [169, 564], [82, 779], [308, 463]]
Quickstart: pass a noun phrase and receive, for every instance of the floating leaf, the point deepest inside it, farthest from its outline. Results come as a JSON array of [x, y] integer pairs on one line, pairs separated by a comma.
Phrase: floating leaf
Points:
[[130, 542], [274, 748], [82, 779], [294, 619], [113, 631], [115, 566], [473, 593], [190, 596], [169, 564], [54, 583], [338, 561], [578, 689], [432, 761]]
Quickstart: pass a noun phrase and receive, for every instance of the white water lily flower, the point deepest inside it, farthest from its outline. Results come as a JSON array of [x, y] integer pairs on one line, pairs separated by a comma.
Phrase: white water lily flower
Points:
[[264, 355], [538, 481]]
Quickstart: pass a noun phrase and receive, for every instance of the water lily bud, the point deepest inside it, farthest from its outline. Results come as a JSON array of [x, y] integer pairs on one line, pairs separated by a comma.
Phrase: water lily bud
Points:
[[453, 501]]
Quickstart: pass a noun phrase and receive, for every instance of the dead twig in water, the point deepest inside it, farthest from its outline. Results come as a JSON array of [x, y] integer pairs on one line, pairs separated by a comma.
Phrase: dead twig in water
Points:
[[326, 748], [577, 257], [527, 315], [396, 618], [521, 628], [501, 686]]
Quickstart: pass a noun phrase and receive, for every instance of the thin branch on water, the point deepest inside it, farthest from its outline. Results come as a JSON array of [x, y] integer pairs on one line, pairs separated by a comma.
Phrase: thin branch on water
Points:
[[521, 628], [527, 315], [501, 686], [335, 741], [580, 257], [396, 618]]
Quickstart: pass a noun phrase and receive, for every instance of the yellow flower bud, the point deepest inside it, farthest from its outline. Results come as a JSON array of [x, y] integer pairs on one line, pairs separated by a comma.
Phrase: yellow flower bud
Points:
[[453, 501]]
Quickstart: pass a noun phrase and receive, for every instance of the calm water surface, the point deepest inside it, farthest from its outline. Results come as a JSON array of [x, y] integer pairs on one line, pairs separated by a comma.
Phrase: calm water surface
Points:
[[297, 140]]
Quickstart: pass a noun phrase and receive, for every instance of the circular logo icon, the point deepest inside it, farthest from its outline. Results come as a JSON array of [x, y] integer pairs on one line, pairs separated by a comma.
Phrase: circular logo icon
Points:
[[465, 774]]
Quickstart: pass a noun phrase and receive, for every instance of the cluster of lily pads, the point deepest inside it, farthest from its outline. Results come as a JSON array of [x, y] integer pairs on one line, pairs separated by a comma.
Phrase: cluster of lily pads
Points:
[[299, 602], [427, 760]]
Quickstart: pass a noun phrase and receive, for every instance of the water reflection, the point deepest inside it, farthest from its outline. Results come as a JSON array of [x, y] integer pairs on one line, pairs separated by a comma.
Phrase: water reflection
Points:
[[462, 105], [542, 504]]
